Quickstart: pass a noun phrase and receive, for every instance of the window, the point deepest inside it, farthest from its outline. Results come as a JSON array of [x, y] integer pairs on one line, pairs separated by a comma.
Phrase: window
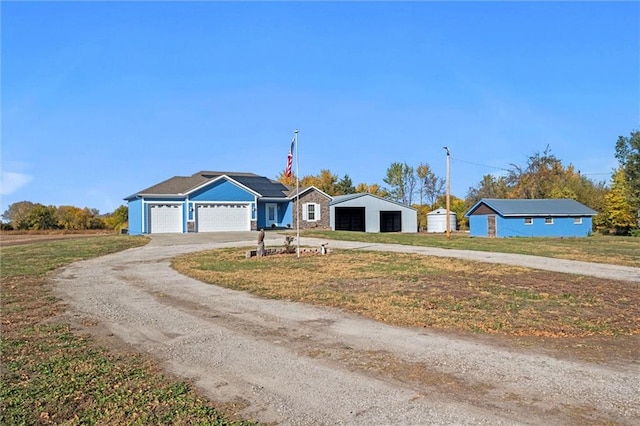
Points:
[[548, 221], [577, 221], [311, 212], [528, 221]]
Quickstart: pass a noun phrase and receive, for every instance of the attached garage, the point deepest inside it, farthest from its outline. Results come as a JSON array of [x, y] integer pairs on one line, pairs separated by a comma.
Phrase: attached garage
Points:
[[369, 213], [165, 218], [221, 217]]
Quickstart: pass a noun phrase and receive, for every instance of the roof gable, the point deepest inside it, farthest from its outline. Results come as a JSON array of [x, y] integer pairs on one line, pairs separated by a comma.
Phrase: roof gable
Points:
[[182, 185], [342, 198], [532, 207], [292, 193]]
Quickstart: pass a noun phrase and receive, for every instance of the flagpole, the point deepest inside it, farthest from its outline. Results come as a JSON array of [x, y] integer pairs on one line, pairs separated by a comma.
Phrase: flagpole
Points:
[[297, 197]]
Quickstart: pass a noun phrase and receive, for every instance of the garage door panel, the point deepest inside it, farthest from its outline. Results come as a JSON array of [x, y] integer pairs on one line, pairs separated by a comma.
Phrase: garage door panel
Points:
[[350, 219], [223, 217], [165, 218]]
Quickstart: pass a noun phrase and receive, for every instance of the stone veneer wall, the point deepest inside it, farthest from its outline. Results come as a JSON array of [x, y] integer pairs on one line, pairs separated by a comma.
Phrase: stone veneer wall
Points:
[[313, 197]]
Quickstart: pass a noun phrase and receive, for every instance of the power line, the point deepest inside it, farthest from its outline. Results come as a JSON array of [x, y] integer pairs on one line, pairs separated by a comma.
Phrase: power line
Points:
[[508, 170], [478, 164]]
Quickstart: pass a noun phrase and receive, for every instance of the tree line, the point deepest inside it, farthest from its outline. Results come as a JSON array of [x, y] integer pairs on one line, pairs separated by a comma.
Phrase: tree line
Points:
[[543, 176], [26, 215]]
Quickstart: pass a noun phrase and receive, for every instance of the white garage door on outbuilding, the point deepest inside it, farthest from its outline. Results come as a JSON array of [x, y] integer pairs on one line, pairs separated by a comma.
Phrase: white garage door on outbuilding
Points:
[[221, 217], [165, 218]]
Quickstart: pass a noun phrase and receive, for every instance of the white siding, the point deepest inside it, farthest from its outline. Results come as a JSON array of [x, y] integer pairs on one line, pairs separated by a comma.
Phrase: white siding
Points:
[[373, 206]]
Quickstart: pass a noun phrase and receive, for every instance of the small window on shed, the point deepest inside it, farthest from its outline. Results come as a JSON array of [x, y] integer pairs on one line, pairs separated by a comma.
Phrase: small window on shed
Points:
[[548, 221], [528, 221], [577, 221]]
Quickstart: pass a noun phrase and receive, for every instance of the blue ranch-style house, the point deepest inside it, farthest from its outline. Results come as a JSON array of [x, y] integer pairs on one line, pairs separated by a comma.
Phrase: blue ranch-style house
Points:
[[492, 217], [210, 201]]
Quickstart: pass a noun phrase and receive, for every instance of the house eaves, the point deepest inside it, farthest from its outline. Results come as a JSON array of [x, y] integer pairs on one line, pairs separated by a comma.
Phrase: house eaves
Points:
[[292, 193], [548, 207], [229, 179], [343, 198]]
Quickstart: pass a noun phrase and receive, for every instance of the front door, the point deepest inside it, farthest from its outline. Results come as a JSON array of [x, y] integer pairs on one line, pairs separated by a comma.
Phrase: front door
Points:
[[491, 226], [271, 214]]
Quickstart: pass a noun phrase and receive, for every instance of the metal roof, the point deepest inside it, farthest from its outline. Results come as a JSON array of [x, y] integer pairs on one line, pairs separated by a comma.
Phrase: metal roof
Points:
[[535, 207], [342, 198]]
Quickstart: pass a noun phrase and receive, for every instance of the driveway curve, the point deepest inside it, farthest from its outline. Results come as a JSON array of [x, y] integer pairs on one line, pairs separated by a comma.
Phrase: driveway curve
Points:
[[294, 364]]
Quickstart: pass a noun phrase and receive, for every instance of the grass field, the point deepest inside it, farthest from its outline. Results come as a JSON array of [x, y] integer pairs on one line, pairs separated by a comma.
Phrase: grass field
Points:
[[51, 375], [615, 250], [440, 293]]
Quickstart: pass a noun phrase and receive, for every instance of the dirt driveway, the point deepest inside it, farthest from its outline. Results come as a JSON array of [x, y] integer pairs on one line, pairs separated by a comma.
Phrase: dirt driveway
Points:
[[294, 364]]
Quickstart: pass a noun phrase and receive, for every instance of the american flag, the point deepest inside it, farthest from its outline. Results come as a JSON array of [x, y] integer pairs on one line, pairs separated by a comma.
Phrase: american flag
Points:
[[287, 172]]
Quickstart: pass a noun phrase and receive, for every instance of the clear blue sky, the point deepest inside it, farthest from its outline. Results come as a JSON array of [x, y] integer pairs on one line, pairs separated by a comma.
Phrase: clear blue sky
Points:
[[101, 100]]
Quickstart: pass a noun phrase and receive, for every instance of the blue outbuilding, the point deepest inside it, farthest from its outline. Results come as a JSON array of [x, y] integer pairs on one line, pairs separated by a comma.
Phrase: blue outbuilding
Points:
[[493, 217]]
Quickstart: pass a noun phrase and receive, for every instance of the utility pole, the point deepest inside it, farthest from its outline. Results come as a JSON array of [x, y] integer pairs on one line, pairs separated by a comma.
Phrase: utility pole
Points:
[[448, 222], [295, 132]]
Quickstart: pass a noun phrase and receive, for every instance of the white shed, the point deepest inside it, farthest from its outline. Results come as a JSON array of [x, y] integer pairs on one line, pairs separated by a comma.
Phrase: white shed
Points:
[[369, 213], [437, 221]]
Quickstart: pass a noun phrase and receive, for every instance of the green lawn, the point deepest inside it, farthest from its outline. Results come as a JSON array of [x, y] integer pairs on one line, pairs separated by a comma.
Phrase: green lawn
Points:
[[52, 375], [614, 250]]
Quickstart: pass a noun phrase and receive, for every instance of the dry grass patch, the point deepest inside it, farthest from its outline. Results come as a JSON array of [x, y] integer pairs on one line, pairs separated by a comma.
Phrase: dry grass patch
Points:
[[422, 291], [52, 374]]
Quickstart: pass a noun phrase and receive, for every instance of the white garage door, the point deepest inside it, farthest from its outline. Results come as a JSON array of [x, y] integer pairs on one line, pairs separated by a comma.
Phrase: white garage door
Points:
[[165, 218], [223, 217]]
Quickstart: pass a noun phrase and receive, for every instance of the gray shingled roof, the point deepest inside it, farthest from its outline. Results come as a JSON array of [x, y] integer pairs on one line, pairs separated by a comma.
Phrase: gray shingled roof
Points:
[[292, 192], [179, 185], [538, 207]]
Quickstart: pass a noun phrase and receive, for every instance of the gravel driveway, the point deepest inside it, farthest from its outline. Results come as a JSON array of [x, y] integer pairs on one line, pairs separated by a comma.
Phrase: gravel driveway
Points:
[[295, 364]]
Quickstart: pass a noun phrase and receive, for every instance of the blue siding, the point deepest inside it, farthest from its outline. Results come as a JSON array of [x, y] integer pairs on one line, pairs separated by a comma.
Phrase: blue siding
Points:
[[516, 227], [135, 216], [287, 216], [222, 190], [478, 225], [283, 218]]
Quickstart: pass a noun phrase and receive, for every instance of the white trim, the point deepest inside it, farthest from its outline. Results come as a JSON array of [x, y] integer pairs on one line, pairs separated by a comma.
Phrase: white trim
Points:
[[577, 220], [528, 221], [316, 212], [144, 195], [310, 188], [180, 206], [146, 213], [267, 222], [548, 220]]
